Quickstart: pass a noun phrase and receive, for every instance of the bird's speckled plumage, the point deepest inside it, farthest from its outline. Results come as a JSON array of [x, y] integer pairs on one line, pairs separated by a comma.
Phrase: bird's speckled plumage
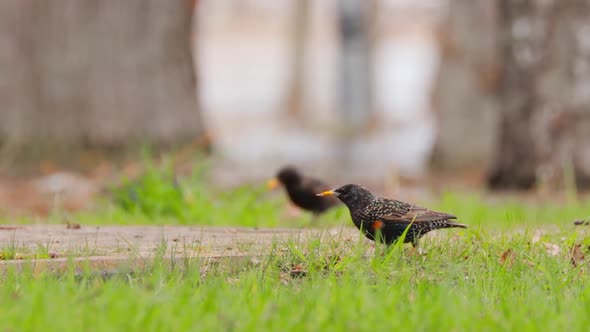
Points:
[[388, 217]]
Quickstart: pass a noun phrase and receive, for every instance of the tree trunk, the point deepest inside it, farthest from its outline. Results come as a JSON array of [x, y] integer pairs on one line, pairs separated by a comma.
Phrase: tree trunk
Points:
[[515, 161], [467, 83], [355, 97], [355, 92], [562, 126], [85, 73], [545, 93], [300, 28]]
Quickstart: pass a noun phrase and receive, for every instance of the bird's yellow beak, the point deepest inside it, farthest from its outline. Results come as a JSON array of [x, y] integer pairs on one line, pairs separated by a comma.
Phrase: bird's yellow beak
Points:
[[326, 193], [272, 183]]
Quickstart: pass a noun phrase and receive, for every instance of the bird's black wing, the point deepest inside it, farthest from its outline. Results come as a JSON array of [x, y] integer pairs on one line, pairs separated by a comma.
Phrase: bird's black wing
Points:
[[399, 211]]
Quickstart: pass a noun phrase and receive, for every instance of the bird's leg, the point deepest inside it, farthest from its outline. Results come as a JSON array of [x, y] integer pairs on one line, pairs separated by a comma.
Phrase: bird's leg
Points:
[[417, 250]]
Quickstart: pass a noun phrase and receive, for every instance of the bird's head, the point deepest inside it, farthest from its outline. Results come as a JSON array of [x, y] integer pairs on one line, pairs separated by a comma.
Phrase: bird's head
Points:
[[350, 194], [286, 176]]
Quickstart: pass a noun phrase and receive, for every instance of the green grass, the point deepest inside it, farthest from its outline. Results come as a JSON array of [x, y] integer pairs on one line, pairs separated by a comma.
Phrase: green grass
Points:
[[495, 276], [458, 285], [159, 197]]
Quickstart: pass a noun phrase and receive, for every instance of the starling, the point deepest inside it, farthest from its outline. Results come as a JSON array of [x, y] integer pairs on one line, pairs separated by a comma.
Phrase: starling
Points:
[[302, 190], [387, 219]]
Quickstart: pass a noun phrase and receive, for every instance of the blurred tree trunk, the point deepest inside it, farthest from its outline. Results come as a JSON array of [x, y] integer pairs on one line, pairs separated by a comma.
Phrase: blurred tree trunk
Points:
[[563, 91], [355, 90], [85, 73], [514, 163], [465, 91], [545, 93], [300, 26]]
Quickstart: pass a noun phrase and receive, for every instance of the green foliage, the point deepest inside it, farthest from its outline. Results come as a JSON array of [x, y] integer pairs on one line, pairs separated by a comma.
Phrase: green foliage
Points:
[[159, 196], [155, 193]]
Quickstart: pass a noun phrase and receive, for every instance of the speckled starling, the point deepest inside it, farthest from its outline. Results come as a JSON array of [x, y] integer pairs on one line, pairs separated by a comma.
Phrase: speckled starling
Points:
[[386, 219], [302, 190]]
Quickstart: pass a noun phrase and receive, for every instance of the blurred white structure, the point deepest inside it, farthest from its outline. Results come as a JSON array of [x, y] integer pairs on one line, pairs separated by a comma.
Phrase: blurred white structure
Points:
[[244, 71]]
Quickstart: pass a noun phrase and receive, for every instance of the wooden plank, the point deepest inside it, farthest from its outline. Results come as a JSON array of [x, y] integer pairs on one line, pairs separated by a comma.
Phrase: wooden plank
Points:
[[113, 264]]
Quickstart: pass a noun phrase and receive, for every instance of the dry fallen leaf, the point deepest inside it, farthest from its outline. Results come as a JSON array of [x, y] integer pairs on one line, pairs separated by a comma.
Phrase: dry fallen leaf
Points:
[[552, 249], [298, 271], [576, 254], [507, 257], [70, 225]]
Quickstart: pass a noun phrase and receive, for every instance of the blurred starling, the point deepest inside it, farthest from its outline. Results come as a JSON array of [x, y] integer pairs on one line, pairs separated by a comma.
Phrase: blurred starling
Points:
[[302, 190], [389, 218]]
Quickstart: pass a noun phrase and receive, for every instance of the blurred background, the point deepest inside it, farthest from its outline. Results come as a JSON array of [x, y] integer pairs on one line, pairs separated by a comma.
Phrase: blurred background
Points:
[[392, 93]]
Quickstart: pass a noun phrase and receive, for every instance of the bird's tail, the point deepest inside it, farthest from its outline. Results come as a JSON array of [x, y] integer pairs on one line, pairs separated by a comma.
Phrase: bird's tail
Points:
[[450, 224]]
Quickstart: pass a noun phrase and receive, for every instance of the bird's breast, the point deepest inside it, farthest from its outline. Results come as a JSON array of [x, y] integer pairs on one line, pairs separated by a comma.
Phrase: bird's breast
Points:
[[359, 218]]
